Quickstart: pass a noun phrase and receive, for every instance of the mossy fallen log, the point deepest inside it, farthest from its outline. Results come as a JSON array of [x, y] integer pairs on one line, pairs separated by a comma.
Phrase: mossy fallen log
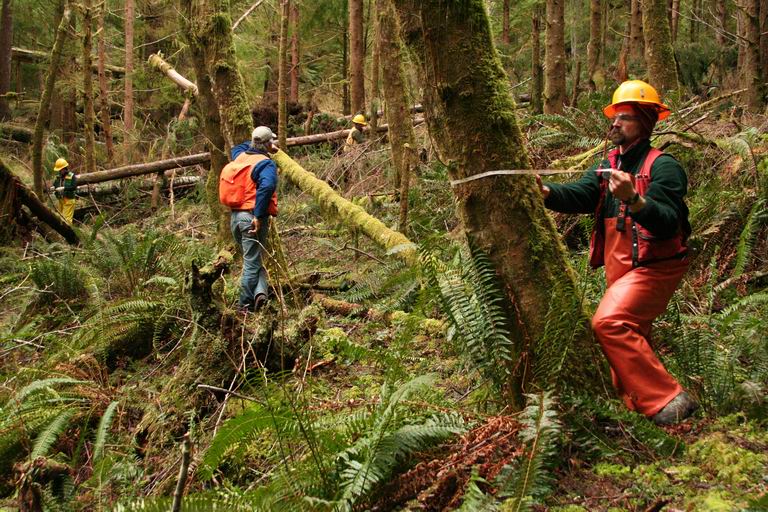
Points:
[[346, 211], [15, 132]]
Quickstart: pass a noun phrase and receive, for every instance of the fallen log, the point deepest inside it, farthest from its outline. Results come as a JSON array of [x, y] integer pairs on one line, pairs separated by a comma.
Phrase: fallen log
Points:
[[140, 169], [156, 61], [319, 138], [350, 214], [16, 194], [26, 55], [115, 188], [15, 132]]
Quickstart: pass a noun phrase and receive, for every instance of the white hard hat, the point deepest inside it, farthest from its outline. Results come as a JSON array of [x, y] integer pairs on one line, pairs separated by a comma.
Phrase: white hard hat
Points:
[[263, 134]]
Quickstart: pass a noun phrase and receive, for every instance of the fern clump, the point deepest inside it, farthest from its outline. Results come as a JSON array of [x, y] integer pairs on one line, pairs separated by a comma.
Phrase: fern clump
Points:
[[60, 279]]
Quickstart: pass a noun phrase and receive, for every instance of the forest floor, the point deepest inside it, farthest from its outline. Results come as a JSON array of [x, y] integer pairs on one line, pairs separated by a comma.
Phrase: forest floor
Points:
[[115, 315]]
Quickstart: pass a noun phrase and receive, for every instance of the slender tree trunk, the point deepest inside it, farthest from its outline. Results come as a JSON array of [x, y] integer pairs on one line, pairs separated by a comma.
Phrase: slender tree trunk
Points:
[[674, 19], [472, 121], [6, 42], [720, 13], [401, 136], [750, 73], [764, 38], [89, 115], [594, 47], [45, 101], [695, 21], [282, 74], [659, 55], [604, 32], [357, 56], [346, 104], [636, 40], [128, 101], [106, 123], [294, 96], [505, 22], [375, 77], [537, 72], [554, 58]]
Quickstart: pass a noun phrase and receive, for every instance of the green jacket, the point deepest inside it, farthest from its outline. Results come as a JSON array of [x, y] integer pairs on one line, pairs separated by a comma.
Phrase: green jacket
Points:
[[665, 211], [69, 182]]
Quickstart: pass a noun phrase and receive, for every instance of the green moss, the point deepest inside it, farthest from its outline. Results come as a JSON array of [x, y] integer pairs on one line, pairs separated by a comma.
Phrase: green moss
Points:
[[727, 463], [612, 470], [714, 501]]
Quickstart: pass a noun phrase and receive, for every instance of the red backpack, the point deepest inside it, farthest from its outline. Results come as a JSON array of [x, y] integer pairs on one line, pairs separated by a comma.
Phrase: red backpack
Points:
[[236, 188]]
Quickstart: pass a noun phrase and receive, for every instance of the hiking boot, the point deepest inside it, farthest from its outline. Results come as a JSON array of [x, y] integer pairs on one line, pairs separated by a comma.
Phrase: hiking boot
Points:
[[259, 302], [676, 410]]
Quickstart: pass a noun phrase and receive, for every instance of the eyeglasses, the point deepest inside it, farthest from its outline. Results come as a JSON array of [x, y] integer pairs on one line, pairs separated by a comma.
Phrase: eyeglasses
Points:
[[623, 118]]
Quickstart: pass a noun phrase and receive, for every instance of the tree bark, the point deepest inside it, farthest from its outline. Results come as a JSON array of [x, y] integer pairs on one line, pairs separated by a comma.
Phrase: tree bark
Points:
[[282, 74], [537, 71], [505, 22], [764, 38], [45, 102], [750, 73], [554, 57], [636, 41], [401, 136], [156, 61], [6, 42], [128, 101], [106, 122], [89, 114], [472, 121], [695, 22], [295, 60], [659, 55], [357, 56], [674, 20], [346, 104], [375, 74], [595, 45]]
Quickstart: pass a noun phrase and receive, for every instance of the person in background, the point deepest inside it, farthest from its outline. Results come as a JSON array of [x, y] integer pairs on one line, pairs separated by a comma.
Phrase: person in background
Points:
[[65, 187], [355, 136]]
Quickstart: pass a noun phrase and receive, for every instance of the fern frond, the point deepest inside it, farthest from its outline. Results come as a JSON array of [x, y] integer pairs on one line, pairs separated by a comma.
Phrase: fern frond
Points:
[[51, 434], [747, 236], [101, 432], [475, 500]]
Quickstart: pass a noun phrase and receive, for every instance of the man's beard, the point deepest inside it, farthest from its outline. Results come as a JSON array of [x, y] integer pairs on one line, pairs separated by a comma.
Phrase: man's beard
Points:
[[617, 137]]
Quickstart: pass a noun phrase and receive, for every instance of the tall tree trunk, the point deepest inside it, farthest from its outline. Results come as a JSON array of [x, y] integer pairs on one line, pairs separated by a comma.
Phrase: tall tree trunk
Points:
[[537, 72], [106, 123], [128, 101], [750, 73], [554, 57], [764, 38], [6, 42], [45, 102], [505, 22], [294, 96], [471, 118], [400, 131], [695, 21], [674, 19], [636, 40], [594, 47], [659, 55], [282, 74], [346, 104], [720, 12], [357, 56], [375, 77], [89, 115]]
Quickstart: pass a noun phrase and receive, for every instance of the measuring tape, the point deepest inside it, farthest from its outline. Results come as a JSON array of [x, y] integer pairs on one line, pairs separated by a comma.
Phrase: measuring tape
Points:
[[525, 172]]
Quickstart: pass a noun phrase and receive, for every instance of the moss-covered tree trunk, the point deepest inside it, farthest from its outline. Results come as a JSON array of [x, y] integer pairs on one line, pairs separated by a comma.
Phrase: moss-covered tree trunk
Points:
[[659, 54], [537, 71], [750, 73], [295, 60], [764, 38], [471, 117], [6, 42], [375, 75], [130, 13], [595, 45], [356, 56], [106, 122], [282, 74], [636, 41], [398, 113], [45, 101], [505, 22], [554, 57], [89, 114]]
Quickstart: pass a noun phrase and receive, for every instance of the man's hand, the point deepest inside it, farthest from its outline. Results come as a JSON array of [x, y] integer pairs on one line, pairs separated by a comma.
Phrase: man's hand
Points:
[[622, 185], [255, 225], [542, 187], [273, 148]]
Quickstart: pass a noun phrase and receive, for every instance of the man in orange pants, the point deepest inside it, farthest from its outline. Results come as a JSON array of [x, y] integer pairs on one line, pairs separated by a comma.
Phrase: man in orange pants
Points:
[[641, 227]]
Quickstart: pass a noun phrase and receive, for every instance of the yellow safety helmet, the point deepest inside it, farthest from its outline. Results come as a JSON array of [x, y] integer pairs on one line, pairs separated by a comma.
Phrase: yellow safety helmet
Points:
[[636, 91], [359, 119], [60, 164]]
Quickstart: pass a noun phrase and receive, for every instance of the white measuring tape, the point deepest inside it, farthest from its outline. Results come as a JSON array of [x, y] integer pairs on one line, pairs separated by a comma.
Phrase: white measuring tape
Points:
[[523, 172]]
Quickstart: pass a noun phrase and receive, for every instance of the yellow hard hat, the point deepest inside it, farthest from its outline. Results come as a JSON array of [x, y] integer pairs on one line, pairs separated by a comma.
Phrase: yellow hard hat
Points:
[[636, 91], [60, 164], [359, 119]]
